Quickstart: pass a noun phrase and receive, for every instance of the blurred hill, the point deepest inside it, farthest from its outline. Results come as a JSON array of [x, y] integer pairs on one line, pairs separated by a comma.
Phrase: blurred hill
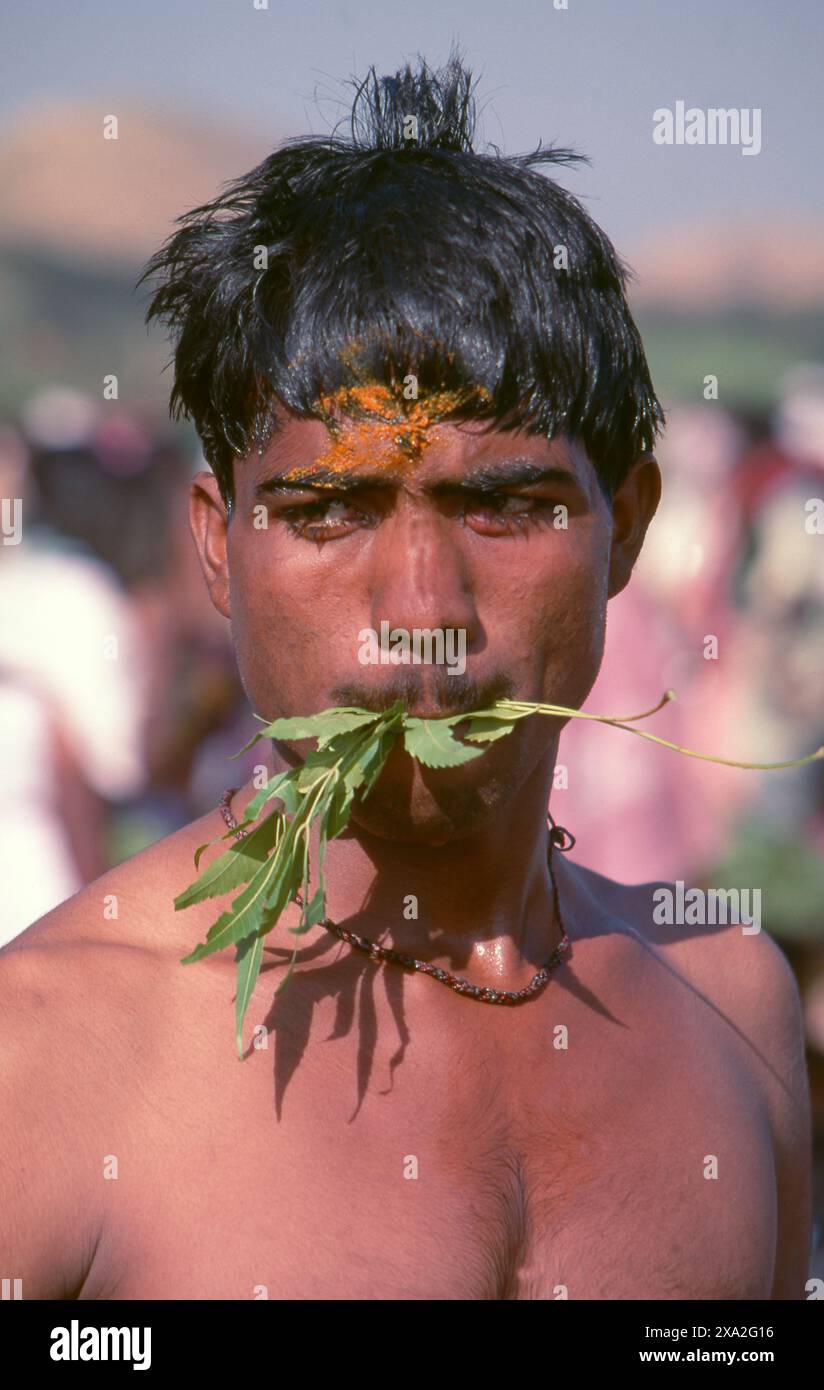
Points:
[[66, 190], [776, 263], [79, 215]]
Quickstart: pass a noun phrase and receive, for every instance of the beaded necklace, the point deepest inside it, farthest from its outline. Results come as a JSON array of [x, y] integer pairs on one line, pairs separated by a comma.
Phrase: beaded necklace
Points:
[[559, 838]]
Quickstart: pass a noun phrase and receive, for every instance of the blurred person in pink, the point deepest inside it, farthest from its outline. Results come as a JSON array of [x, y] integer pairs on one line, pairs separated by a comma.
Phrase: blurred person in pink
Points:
[[71, 693], [778, 491], [632, 803]]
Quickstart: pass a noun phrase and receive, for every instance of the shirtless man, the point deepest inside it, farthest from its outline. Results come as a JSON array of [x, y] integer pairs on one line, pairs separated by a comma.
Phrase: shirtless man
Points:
[[639, 1128]]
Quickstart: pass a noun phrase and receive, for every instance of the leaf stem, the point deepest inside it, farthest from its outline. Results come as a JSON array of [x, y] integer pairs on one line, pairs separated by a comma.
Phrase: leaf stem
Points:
[[524, 709]]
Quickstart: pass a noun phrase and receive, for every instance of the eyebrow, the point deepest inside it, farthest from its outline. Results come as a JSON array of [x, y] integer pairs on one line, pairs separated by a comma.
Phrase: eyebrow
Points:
[[514, 472]]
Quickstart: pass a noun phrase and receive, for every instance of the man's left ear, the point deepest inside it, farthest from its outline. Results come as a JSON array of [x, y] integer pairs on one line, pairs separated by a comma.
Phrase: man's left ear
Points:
[[634, 504]]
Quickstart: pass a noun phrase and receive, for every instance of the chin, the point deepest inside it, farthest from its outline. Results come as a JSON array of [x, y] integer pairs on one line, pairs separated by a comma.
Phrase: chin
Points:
[[434, 806]]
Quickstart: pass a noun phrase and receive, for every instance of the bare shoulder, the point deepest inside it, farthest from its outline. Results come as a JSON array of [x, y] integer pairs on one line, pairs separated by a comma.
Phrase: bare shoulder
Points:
[[97, 980], [743, 978], [131, 905], [50, 1099], [735, 966], [89, 996]]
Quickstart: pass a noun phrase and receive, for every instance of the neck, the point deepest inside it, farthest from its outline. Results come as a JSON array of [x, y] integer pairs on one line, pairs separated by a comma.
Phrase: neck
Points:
[[482, 904]]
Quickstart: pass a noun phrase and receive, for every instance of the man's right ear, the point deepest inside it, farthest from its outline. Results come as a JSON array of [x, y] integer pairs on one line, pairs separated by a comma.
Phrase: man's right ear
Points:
[[208, 522]]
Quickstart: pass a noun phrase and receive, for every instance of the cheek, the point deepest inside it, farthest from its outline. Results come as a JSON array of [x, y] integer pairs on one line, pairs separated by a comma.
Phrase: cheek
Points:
[[551, 606], [576, 599], [285, 626], [575, 641]]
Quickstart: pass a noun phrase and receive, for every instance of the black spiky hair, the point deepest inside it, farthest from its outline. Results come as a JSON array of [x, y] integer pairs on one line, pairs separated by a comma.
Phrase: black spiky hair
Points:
[[401, 249]]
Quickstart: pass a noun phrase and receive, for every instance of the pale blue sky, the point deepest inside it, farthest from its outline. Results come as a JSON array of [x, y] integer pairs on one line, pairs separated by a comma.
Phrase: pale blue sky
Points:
[[590, 76]]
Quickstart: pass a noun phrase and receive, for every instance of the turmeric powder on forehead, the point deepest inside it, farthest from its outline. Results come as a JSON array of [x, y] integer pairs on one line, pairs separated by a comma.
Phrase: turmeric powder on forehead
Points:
[[382, 422]]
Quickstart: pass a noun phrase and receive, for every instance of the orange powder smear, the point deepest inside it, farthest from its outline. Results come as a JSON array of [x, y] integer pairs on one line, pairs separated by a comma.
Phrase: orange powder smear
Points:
[[384, 424]]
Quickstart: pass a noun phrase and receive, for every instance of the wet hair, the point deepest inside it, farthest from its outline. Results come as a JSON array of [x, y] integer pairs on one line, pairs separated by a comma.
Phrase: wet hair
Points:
[[401, 250]]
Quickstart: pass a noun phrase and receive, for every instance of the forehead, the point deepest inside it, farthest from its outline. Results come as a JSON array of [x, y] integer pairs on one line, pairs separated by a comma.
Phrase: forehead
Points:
[[419, 447]]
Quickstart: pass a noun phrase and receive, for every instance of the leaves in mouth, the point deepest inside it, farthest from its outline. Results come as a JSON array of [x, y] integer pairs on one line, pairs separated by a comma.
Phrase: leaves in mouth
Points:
[[352, 746]]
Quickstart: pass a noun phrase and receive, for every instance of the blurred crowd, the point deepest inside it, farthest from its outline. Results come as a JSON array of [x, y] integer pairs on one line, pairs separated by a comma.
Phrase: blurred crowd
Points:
[[725, 608], [120, 702]]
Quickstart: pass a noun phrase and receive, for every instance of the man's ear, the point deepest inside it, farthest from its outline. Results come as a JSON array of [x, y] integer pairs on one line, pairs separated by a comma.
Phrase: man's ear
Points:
[[634, 504], [208, 523]]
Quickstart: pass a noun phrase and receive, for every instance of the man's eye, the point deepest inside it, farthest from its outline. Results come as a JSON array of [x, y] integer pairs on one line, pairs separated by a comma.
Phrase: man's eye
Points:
[[512, 506], [322, 519], [501, 510]]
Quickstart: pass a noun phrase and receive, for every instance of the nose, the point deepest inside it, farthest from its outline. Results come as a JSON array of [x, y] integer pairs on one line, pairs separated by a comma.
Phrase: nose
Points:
[[420, 577]]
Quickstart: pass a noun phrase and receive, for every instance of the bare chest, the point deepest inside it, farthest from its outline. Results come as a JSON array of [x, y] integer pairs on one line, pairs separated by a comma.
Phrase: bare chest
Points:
[[586, 1156]]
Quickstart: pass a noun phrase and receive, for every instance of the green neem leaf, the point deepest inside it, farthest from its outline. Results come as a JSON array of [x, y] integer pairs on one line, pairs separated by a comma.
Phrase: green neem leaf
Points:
[[340, 804], [261, 733], [348, 721], [248, 956], [360, 756], [263, 900], [323, 764], [434, 745], [489, 729], [201, 848], [356, 770], [363, 774], [326, 784], [313, 774], [342, 754], [489, 721], [282, 786], [315, 912], [321, 726], [234, 867], [246, 915]]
